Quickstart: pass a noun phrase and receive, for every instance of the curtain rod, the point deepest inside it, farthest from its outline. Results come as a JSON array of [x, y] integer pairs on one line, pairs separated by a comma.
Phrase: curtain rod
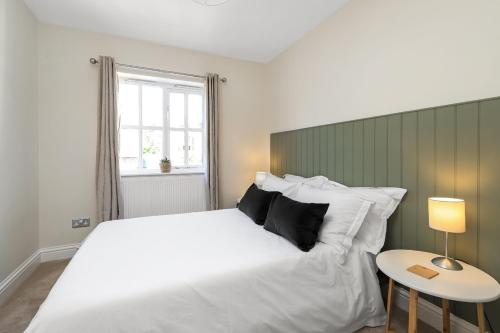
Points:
[[94, 61]]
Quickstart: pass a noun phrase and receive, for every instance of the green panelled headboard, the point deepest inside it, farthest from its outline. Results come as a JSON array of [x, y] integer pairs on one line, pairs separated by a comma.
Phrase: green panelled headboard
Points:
[[451, 150]]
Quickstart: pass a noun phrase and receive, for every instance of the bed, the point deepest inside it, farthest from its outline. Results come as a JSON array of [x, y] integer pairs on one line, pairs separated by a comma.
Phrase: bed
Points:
[[211, 271]]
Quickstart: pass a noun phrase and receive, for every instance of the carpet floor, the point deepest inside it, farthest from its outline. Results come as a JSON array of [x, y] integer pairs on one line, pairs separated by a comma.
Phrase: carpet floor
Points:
[[17, 312]]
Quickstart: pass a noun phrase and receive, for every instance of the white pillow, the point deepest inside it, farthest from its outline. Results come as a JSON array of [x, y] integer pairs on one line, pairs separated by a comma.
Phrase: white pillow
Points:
[[335, 184], [395, 192], [273, 183], [385, 201], [344, 217], [316, 181]]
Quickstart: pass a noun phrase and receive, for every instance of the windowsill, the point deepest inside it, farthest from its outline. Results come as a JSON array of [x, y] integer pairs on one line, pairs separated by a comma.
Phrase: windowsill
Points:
[[158, 173]]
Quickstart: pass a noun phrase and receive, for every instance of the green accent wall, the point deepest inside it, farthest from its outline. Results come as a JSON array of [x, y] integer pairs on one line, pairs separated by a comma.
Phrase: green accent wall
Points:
[[451, 150]]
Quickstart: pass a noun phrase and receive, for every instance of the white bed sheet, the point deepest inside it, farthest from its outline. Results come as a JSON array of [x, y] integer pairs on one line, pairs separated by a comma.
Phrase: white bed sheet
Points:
[[208, 272]]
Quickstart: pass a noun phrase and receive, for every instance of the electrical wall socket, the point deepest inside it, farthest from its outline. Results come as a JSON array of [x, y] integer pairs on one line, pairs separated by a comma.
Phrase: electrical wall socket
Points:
[[81, 222]]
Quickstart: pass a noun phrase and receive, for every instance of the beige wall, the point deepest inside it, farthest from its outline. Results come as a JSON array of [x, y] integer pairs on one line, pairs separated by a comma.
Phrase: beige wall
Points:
[[68, 120], [380, 57], [370, 58], [18, 135]]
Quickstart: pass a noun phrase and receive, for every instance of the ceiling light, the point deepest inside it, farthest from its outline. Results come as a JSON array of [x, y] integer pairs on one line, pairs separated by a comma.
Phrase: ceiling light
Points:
[[211, 2]]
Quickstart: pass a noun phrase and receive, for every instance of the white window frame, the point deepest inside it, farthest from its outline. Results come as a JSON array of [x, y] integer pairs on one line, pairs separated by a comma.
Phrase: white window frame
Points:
[[167, 88]]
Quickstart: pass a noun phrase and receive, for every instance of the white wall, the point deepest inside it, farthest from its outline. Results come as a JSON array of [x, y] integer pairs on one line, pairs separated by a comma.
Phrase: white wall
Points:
[[370, 58], [68, 90], [380, 57], [18, 135]]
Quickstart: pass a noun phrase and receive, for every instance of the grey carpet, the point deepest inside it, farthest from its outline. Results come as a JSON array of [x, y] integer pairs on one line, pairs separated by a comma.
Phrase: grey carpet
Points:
[[17, 312]]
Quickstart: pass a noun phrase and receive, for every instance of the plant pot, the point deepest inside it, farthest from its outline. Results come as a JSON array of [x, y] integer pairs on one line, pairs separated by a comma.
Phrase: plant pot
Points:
[[165, 167]]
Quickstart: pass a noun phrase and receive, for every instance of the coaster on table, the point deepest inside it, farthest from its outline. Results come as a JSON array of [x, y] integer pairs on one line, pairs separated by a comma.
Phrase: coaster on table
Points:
[[422, 271]]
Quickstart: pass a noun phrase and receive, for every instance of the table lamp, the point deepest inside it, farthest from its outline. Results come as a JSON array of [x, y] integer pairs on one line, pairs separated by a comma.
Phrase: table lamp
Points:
[[448, 215], [260, 176]]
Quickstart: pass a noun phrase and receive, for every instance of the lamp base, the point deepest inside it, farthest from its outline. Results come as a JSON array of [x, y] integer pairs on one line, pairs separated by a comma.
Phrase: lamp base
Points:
[[447, 263]]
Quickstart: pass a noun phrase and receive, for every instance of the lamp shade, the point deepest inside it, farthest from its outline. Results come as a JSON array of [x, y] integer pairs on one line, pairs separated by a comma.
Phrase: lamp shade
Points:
[[447, 214], [260, 176]]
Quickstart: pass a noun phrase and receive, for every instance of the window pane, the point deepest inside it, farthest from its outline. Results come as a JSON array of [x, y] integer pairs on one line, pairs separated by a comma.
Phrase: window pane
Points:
[[195, 152], [177, 148], [152, 106], [195, 112], [128, 104], [129, 149], [177, 110], [152, 143]]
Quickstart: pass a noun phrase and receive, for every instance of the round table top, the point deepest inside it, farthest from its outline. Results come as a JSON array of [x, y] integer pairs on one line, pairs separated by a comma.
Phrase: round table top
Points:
[[468, 285]]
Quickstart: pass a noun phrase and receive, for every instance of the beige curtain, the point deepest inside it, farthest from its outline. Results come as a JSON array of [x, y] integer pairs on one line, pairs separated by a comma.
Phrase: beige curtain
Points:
[[212, 95], [109, 196]]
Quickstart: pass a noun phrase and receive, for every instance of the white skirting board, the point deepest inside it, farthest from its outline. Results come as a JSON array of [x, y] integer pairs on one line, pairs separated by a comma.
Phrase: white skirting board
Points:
[[21, 273], [58, 252], [427, 312], [432, 314]]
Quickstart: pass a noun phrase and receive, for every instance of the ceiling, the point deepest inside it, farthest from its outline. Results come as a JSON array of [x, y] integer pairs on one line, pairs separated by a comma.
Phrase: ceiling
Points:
[[255, 30]]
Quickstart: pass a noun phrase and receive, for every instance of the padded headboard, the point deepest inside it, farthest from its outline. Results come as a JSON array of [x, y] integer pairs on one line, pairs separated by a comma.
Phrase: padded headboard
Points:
[[451, 150]]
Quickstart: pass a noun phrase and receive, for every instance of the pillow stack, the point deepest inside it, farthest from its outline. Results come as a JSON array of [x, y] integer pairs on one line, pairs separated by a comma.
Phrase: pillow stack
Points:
[[385, 201], [342, 220], [306, 210], [297, 222]]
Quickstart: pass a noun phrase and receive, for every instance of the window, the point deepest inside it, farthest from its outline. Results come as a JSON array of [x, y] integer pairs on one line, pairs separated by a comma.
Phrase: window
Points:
[[158, 118]]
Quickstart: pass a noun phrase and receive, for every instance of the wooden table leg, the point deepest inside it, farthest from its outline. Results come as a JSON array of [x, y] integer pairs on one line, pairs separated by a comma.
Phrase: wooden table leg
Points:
[[389, 306], [412, 311], [480, 318], [446, 316]]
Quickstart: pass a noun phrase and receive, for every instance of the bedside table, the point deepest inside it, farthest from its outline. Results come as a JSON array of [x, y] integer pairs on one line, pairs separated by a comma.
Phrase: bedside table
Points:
[[469, 285]]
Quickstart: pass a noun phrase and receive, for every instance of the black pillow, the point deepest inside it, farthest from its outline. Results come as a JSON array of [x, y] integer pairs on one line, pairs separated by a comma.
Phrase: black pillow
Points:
[[255, 203], [295, 221]]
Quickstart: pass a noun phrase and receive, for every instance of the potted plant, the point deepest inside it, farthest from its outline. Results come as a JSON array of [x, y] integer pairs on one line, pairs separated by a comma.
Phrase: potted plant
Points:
[[165, 165]]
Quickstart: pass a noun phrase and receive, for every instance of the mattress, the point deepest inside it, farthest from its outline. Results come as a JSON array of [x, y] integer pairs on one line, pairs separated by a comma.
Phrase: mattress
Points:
[[211, 271]]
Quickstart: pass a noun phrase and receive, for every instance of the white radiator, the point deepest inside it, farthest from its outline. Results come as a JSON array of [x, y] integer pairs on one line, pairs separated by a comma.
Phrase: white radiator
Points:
[[162, 195]]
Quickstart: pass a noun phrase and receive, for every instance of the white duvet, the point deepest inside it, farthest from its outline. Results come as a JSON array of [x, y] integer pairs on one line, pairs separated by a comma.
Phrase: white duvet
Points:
[[208, 272]]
